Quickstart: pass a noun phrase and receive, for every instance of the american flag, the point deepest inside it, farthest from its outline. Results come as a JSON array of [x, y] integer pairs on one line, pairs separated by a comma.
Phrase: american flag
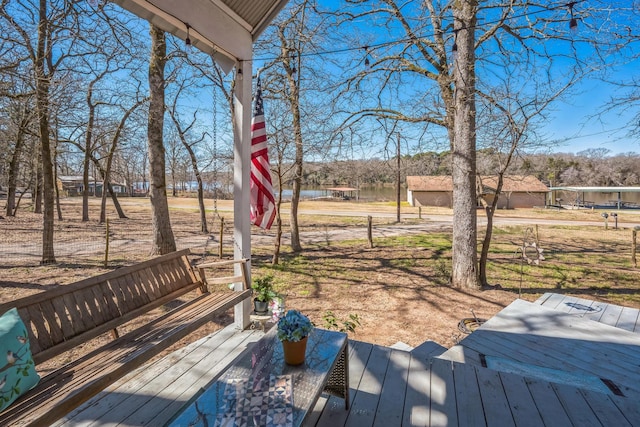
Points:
[[263, 204]]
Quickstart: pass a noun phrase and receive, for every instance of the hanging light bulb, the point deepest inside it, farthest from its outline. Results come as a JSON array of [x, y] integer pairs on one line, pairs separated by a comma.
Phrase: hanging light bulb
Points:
[[573, 22], [367, 62], [573, 25], [187, 41]]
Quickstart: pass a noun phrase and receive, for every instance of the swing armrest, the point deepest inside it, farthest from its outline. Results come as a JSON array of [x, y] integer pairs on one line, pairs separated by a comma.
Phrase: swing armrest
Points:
[[243, 277]]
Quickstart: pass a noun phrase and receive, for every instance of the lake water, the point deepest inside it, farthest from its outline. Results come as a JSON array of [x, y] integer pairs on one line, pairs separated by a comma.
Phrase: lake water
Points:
[[365, 193]]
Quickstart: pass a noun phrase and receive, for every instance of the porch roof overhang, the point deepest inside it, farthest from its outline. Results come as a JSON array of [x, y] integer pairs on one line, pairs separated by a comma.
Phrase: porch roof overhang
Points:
[[225, 29]]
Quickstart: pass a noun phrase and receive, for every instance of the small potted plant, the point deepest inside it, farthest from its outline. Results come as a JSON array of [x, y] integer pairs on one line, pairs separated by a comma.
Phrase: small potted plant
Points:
[[263, 293], [293, 331]]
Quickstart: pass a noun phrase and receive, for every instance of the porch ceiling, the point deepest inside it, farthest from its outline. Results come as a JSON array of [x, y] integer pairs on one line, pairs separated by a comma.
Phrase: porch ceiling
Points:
[[223, 28]]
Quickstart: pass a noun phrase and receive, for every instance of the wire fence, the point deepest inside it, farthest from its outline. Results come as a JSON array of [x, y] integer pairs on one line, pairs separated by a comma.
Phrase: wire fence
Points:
[[117, 241]]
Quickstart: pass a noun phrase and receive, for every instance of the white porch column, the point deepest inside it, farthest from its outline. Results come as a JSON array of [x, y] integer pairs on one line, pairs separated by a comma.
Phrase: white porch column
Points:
[[241, 177]]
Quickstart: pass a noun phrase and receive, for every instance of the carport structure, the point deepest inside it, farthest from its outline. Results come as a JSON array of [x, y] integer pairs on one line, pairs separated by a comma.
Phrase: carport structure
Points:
[[225, 29]]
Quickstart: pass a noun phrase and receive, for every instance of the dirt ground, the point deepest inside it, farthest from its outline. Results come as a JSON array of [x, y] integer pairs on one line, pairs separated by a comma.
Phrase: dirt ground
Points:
[[399, 292]]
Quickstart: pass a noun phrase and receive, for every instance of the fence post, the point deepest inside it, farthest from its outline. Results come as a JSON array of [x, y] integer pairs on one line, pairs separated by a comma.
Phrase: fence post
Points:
[[419, 212], [221, 236], [106, 248], [634, 241], [369, 230]]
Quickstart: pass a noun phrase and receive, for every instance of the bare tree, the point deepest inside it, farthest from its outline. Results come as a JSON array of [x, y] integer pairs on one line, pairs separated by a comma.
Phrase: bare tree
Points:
[[183, 131], [21, 116], [443, 48], [508, 129], [295, 83], [290, 51], [106, 175]]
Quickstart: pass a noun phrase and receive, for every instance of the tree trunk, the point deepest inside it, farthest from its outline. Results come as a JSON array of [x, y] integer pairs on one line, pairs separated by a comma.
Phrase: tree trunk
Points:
[[398, 174], [464, 258], [295, 197], [278, 238], [294, 104], [55, 178], [196, 171], [163, 239], [106, 172], [42, 98], [116, 202], [13, 172], [109, 187], [486, 243], [87, 154], [36, 193]]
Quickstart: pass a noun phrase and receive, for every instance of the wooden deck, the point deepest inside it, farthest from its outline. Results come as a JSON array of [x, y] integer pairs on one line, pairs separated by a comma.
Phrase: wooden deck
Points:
[[626, 318], [394, 387]]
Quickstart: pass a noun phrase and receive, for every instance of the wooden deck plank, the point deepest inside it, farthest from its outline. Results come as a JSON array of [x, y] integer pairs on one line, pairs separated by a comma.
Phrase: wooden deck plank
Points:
[[171, 387], [314, 415], [583, 307], [575, 406], [520, 401], [611, 314], [496, 406], [193, 381], [552, 300], [606, 411], [107, 404], [547, 403], [416, 401], [161, 386], [628, 319], [428, 349], [334, 413], [365, 403], [467, 393], [443, 402], [629, 408], [596, 312], [394, 387], [461, 354]]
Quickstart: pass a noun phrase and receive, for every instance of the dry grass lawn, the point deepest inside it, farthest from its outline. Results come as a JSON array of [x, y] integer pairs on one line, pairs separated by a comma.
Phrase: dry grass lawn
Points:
[[399, 288]]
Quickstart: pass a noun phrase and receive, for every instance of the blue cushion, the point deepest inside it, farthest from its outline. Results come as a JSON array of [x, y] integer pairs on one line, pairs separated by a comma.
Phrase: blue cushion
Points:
[[17, 370]]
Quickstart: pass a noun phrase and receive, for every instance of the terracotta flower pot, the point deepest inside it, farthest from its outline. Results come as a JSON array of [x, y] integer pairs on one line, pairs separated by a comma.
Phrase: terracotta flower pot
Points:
[[294, 351]]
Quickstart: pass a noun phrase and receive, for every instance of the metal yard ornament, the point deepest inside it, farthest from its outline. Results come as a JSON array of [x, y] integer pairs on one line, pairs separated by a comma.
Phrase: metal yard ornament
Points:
[[530, 251]]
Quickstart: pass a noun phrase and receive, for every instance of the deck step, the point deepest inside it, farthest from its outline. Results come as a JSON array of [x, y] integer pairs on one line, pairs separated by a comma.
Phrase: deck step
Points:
[[458, 353], [427, 350], [401, 346], [621, 317]]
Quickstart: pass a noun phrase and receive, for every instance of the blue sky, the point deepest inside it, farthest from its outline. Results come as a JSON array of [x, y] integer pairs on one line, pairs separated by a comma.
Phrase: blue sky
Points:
[[574, 122]]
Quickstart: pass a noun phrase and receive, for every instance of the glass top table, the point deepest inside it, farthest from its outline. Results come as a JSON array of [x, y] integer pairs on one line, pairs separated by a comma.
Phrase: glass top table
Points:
[[259, 389]]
